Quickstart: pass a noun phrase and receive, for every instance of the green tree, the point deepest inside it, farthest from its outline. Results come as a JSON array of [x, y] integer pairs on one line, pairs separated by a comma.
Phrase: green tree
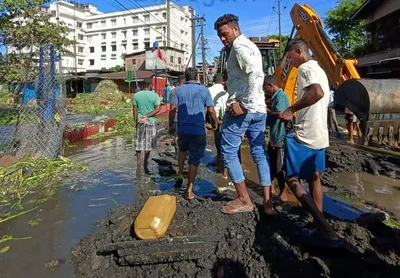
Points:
[[349, 36], [27, 28]]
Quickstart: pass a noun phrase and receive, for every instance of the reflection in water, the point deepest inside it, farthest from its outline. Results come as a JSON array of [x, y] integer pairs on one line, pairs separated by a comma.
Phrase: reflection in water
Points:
[[378, 189]]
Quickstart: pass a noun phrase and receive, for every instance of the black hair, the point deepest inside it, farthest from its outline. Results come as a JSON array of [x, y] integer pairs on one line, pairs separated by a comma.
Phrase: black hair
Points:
[[191, 74], [297, 44], [181, 78], [269, 80], [226, 19], [218, 78], [146, 83]]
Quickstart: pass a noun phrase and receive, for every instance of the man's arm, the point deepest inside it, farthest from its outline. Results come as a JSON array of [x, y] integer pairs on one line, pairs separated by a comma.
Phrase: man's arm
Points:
[[172, 114], [213, 115], [311, 96], [135, 114]]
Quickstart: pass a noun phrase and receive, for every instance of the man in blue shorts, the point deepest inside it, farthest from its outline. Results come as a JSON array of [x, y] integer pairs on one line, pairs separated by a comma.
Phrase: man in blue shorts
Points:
[[305, 146], [192, 100]]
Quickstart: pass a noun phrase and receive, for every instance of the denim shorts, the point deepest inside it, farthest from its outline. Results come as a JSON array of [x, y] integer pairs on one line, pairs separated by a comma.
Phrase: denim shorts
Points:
[[195, 145]]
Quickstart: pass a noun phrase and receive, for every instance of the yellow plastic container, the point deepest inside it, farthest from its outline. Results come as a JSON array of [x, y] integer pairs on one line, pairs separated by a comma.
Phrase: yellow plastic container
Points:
[[155, 217]]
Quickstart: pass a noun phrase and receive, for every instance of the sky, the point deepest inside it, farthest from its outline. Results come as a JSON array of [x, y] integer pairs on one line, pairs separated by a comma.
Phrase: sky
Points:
[[257, 18]]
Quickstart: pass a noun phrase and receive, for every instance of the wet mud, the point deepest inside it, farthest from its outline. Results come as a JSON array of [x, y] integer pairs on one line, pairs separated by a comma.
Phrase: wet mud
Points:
[[247, 244]]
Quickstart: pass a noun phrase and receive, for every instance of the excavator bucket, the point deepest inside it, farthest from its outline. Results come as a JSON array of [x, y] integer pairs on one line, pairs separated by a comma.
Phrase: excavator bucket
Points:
[[376, 102]]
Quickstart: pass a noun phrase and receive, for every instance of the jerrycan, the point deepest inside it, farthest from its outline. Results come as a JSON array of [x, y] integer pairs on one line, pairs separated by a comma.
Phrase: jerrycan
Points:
[[155, 217]]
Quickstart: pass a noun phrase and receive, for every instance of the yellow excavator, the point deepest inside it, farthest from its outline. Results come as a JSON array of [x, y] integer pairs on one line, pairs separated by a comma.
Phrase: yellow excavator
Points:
[[376, 102]]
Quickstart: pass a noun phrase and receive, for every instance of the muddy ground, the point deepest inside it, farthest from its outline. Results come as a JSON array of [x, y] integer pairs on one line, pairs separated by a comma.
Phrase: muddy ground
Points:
[[211, 244]]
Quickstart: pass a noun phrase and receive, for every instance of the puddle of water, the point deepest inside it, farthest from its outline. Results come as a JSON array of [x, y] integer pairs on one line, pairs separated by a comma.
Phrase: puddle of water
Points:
[[382, 190]]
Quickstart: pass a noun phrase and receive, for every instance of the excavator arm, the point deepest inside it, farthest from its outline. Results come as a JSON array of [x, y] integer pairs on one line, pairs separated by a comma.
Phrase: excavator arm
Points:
[[375, 102]]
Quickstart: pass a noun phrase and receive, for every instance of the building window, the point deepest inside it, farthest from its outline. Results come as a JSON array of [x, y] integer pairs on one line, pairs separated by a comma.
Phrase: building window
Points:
[[147, 45], [146, 18], [164, 15], [133, 61], [91, 62], [89, 38], [135, 46], [103, 23], [135, 19], [79, 24], [164, 29], [103, 57], [147, 32], [171, 59], [80, 49], [113, 22], [113, 48], [103, 48], [80, 37], [80, 62], [182, 45], [89, 25], [159, 38], [113, 56], [124, 34], [91, 49], [103, 36], [134, 33], [179, 60], [114, 35], [124, 20], [124, 48], [182, 31]]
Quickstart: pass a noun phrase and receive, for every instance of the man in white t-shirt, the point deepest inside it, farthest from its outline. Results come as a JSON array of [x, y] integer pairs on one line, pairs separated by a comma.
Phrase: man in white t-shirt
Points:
[[305, 147]]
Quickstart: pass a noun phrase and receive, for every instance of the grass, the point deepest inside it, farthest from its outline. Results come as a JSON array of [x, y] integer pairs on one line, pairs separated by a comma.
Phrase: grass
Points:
[[89, 104], [30, 182]]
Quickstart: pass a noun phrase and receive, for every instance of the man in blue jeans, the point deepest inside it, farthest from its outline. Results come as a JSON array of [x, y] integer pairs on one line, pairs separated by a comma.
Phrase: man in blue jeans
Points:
[[247, 114], [192, 100]]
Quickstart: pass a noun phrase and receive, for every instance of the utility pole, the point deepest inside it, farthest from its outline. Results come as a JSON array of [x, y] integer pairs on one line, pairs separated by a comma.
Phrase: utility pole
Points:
[[75, 60], [280, 27], [168, 23], [203, 49]]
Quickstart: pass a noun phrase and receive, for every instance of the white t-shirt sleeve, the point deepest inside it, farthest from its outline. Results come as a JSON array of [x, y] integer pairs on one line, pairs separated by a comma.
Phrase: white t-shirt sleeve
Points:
[[308, 76]]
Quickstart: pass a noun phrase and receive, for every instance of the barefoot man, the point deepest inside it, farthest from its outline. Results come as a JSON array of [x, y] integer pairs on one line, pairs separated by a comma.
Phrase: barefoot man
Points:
[[246, 114], [305, 147]]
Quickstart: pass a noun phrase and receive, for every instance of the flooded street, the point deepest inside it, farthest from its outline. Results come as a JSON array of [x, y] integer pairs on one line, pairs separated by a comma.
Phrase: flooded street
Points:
[[111, 180], [382, 190]]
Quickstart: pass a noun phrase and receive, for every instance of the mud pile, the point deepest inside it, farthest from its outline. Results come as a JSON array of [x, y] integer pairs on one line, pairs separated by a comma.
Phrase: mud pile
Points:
[[241, 245]]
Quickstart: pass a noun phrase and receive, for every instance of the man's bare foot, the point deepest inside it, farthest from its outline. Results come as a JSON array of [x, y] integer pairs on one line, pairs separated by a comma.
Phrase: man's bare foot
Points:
[[189, 195], [268, 208], [283, 197], [351, 142]]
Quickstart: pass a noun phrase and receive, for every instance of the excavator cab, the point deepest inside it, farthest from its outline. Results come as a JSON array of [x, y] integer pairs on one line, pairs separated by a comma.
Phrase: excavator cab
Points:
[[269, 49]]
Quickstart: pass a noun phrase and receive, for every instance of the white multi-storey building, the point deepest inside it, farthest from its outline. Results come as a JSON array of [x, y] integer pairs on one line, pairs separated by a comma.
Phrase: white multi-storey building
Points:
[[103, 39]]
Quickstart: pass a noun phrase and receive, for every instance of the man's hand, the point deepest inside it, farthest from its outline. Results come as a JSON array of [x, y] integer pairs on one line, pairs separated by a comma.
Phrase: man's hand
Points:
[[236, 109], [287, 115], [142, 120]]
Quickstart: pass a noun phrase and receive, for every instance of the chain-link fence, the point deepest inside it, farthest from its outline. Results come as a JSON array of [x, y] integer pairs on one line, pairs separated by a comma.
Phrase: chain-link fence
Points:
[[32, 112]]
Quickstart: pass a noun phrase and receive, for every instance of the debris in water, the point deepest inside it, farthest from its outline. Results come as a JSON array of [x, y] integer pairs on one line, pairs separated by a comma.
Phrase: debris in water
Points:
[[54, 264], [4, 249]]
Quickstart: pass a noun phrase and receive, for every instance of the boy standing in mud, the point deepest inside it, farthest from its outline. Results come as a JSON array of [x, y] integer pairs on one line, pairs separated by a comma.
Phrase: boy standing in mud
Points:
[[246, 114], [280, 102], [146, 104], [305, 146], [192, 100]]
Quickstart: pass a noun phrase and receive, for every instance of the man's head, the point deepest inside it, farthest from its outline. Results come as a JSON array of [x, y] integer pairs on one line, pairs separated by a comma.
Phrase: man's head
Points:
[[297, 52], [270, 86], [181, 80], [191, 74], [227, 28], [218, 78], [147, 84]]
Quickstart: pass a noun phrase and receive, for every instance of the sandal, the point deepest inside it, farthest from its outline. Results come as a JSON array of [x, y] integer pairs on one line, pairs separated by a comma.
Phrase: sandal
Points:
[[237, 209]]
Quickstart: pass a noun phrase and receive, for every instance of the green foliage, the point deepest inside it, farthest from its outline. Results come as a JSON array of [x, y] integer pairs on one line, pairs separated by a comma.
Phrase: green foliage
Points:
[[348, 35], [27, 28], [284, 41], [36, 179], [117, 69]]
